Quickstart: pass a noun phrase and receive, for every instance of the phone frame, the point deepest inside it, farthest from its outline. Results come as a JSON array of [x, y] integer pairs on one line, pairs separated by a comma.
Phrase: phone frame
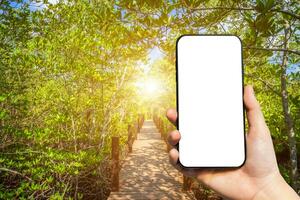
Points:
[[177, 103]]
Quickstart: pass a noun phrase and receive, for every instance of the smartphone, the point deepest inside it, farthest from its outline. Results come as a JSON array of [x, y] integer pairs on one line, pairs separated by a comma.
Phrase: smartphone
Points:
[[211, 121]]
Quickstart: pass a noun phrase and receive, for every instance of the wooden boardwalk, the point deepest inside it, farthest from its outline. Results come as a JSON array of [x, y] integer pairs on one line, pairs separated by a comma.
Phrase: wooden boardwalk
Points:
[[146, 172]]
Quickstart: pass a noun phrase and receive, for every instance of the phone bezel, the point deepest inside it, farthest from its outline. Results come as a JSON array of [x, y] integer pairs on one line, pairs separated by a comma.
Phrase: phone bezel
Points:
[[177, 102]]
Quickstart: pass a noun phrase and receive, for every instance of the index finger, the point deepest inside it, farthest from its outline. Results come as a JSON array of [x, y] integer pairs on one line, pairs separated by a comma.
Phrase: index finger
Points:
[[172, 115]]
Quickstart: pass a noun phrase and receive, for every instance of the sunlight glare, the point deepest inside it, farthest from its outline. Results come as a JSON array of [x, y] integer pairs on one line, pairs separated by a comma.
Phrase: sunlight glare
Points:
[[149, 87]]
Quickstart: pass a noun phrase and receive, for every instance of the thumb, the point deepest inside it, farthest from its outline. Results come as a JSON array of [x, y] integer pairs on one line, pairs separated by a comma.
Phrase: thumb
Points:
[[254, 114]]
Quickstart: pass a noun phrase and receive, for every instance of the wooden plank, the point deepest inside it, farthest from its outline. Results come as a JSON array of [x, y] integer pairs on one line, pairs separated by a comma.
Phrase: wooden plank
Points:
[[149, 195], [147, 173]]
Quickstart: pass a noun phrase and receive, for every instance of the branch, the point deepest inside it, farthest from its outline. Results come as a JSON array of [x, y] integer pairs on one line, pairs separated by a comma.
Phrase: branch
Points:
[[264, 82], [15, 172], [247, 9], [224, 8], [268, 85], [274, 49], [287, 13]]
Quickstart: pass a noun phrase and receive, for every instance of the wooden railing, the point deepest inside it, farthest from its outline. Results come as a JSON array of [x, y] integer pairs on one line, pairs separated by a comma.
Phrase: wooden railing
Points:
[[165, 128], [115, 163], [133, 130]]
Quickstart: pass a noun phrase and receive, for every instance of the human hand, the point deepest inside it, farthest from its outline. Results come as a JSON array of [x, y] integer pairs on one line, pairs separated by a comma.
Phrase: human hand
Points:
[[258, 178]]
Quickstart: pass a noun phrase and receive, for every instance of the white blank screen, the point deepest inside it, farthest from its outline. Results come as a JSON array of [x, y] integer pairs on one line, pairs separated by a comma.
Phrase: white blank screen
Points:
[[210, 101]]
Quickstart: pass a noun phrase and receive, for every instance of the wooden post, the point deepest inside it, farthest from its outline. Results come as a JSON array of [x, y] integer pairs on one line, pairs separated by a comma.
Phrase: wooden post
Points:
[[187, 183], [136, 130], [141, 120], [165, 132], [162, 130], [155, 119], [161, 124], [129, 139], [139, 126], [158, 124], [115, 163], [169, 129], [138, 123]]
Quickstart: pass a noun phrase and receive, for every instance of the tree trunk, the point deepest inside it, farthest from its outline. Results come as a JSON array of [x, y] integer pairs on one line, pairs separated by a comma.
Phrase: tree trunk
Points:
[[287, 115]]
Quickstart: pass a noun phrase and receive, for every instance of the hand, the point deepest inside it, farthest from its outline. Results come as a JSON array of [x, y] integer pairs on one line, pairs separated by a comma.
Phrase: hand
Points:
[[258, 178]]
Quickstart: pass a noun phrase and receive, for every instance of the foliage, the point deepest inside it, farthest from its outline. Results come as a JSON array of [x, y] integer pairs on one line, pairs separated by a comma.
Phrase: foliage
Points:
[[68, 71]]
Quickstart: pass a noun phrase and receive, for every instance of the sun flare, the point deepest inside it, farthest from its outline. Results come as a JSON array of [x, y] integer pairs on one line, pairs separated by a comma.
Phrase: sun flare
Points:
[[149, 87]]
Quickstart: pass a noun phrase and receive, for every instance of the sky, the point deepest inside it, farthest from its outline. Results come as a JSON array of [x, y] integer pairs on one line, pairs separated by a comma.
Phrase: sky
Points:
[[153, 54], [39, 6]]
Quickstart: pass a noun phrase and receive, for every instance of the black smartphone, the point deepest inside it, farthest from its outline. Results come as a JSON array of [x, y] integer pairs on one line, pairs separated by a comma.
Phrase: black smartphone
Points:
[[211, 121]]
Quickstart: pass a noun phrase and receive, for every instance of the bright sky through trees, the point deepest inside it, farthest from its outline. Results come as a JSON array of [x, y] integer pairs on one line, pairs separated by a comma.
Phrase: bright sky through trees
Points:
[[149, 87]]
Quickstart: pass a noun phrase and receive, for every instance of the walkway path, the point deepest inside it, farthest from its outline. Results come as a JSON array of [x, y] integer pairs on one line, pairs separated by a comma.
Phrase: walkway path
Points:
[[146, 172]]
